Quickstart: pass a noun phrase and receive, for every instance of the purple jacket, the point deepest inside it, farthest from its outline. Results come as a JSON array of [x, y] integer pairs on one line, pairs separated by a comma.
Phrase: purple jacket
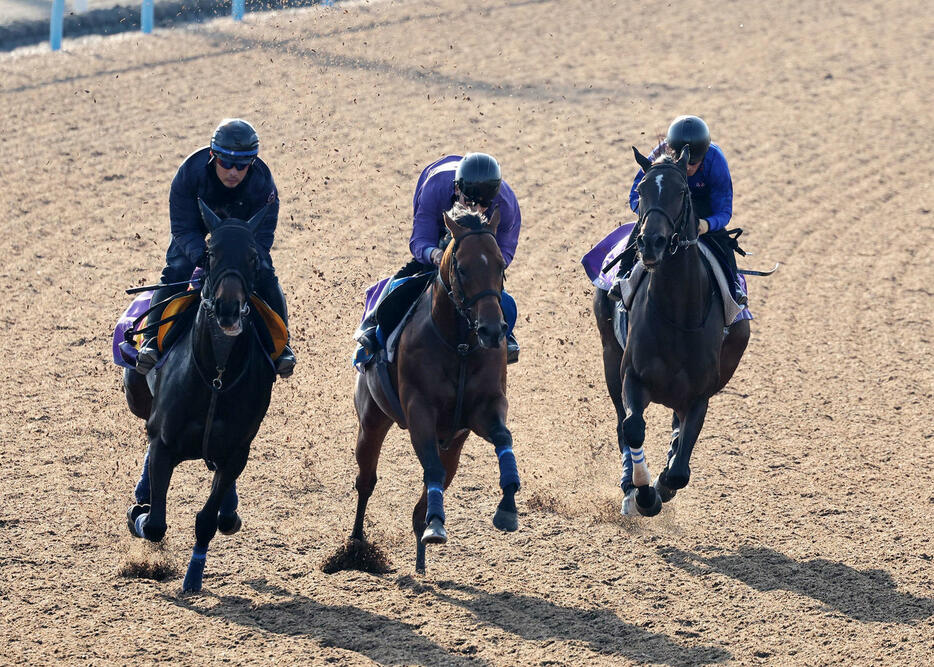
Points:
[[434, 194], [711, 187]]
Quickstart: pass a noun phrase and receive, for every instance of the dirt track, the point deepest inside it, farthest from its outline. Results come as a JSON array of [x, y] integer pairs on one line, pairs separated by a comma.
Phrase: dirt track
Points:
[[805, 533]]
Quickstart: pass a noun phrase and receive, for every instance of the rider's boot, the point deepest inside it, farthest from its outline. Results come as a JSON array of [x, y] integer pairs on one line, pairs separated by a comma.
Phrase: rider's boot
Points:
[[147, 356], [512, 349], [366, 334], [270, 291]]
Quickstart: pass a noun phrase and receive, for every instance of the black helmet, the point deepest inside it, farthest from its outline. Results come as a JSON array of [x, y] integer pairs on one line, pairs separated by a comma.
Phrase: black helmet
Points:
[[478, 178], [689, 131], [235, 140]]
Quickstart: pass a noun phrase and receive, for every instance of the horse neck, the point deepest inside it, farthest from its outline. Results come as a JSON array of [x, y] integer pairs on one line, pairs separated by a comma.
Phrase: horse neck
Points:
[[444, 312], [680, 287], [209, 344]]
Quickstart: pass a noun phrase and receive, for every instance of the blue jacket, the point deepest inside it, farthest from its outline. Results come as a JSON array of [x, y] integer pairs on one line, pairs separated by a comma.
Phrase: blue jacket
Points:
[[434, 194], [195, 179], [711, 187]]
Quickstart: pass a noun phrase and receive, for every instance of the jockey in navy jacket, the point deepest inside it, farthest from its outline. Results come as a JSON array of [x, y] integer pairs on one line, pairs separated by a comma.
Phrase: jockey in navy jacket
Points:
[[196, 179], [711, 187]]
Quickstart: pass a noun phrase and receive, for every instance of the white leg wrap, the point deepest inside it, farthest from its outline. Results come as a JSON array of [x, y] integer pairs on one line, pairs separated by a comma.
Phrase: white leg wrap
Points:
[[640, 469]]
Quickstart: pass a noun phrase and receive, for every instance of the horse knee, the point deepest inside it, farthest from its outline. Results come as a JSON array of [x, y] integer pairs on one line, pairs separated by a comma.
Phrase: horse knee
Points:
[[634, 431], [365, 486]]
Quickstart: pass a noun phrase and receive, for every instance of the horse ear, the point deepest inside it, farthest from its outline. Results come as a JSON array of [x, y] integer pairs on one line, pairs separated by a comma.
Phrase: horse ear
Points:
[[253, 223], [494, 221], [456, 229], [210, 217], [643, 161], [685, 157]]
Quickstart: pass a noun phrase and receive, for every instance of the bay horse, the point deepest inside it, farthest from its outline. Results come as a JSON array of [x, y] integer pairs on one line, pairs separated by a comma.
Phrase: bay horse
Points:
[[208, 399], [677, 352], [449, 374]]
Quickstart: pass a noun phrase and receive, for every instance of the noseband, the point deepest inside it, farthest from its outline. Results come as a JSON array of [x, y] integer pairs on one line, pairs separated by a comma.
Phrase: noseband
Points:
[[208, 297], [677, 225], [456, 292]]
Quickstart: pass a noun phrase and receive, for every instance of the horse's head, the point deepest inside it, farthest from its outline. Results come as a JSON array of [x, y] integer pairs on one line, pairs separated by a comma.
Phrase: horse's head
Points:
[[666, 217], [473, 270], [230, 270]]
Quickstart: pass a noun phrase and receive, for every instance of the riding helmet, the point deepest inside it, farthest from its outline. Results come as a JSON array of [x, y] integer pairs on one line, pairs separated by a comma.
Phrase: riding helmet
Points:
[[689, 131], [478, 178], [235, 140]]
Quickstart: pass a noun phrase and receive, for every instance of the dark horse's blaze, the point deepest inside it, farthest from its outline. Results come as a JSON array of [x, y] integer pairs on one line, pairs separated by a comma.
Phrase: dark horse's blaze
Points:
[[209, 398], [676, 352], [450, 375]]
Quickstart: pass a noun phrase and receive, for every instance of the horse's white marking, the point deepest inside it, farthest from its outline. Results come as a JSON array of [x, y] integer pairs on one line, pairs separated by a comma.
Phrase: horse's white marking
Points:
[[658, 182], [486, 261]]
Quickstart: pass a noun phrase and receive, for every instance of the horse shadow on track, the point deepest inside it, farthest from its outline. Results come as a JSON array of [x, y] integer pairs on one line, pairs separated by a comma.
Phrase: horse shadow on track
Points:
[[381, 639], [863, 595], [535, 619]]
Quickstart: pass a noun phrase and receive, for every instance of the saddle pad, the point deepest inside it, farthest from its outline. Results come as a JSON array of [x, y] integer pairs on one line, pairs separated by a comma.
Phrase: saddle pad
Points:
[[174, 307], [605, 252], [275, 325]]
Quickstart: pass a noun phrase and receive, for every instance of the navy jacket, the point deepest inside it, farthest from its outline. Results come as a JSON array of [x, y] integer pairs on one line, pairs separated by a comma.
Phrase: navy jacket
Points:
[[195, 179], [711, 184]]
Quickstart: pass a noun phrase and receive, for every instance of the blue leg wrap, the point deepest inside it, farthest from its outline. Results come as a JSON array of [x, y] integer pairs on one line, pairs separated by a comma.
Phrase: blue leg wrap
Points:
[[508, 471], [138, 524], [195, 574], [626, 481], [230, 502], [142, 486], [435, 504]]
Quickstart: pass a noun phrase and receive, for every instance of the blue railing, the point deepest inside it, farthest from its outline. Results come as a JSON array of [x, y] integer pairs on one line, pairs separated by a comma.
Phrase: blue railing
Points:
[[146, 18]]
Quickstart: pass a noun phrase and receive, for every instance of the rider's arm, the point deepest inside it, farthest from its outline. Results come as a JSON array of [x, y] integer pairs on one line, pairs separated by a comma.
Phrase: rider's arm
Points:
[[267, 195], [433, 200], [510, 220], [721, 191], [185, 216]]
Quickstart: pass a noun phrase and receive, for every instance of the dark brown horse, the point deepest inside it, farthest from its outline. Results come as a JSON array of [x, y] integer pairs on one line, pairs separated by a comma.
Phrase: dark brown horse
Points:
[[449, 374], [677, 353]]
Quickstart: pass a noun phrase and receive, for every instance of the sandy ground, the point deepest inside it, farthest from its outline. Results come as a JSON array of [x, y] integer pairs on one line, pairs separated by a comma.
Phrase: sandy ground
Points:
[[805, 535]]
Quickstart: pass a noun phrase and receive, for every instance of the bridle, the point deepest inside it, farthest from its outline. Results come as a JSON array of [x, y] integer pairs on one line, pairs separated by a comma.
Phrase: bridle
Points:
[[456, 292], [676, 224]]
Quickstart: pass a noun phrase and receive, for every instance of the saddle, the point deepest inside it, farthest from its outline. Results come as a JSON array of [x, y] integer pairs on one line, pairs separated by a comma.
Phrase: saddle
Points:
[[273, 335]]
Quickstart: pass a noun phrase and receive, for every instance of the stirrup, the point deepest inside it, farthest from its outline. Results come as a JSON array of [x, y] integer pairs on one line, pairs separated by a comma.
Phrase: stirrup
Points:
[[369, 341], [512, 350], [285, 363]]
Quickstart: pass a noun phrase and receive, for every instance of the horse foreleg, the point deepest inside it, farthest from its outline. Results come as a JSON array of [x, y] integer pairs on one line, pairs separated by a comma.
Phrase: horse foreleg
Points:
[[663, 491], [506, 517], [373, 426], [423, 429], [678, 473], [641, 495], [206, 522], [149, 521]]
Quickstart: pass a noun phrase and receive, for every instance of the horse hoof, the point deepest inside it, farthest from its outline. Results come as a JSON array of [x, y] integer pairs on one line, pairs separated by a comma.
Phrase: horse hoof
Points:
[[132, 514], [629, 503], [229, 524], [435, 533], [666, 493], [648, 503], [506, 520]]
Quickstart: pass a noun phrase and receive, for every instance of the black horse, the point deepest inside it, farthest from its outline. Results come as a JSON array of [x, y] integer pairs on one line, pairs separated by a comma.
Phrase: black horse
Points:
[[677, 353], [208, 399], [449, 376]]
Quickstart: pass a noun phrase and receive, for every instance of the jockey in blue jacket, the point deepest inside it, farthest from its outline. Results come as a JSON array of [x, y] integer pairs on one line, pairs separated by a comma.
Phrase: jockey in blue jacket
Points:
[[234, 183], [711, 189], [476, 182]]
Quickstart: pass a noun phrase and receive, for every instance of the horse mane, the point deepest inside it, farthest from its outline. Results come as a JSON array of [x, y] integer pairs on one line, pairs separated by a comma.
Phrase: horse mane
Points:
[[464, 217], [664, 159]]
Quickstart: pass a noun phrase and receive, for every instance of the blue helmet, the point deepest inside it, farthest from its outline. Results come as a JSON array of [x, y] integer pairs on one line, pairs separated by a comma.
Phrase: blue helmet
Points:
[[689, 131], [478, 178], [235, 140]]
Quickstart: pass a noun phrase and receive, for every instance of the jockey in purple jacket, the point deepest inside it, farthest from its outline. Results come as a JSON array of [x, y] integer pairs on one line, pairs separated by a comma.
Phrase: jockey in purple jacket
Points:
[[711, 190], [475, 181]]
